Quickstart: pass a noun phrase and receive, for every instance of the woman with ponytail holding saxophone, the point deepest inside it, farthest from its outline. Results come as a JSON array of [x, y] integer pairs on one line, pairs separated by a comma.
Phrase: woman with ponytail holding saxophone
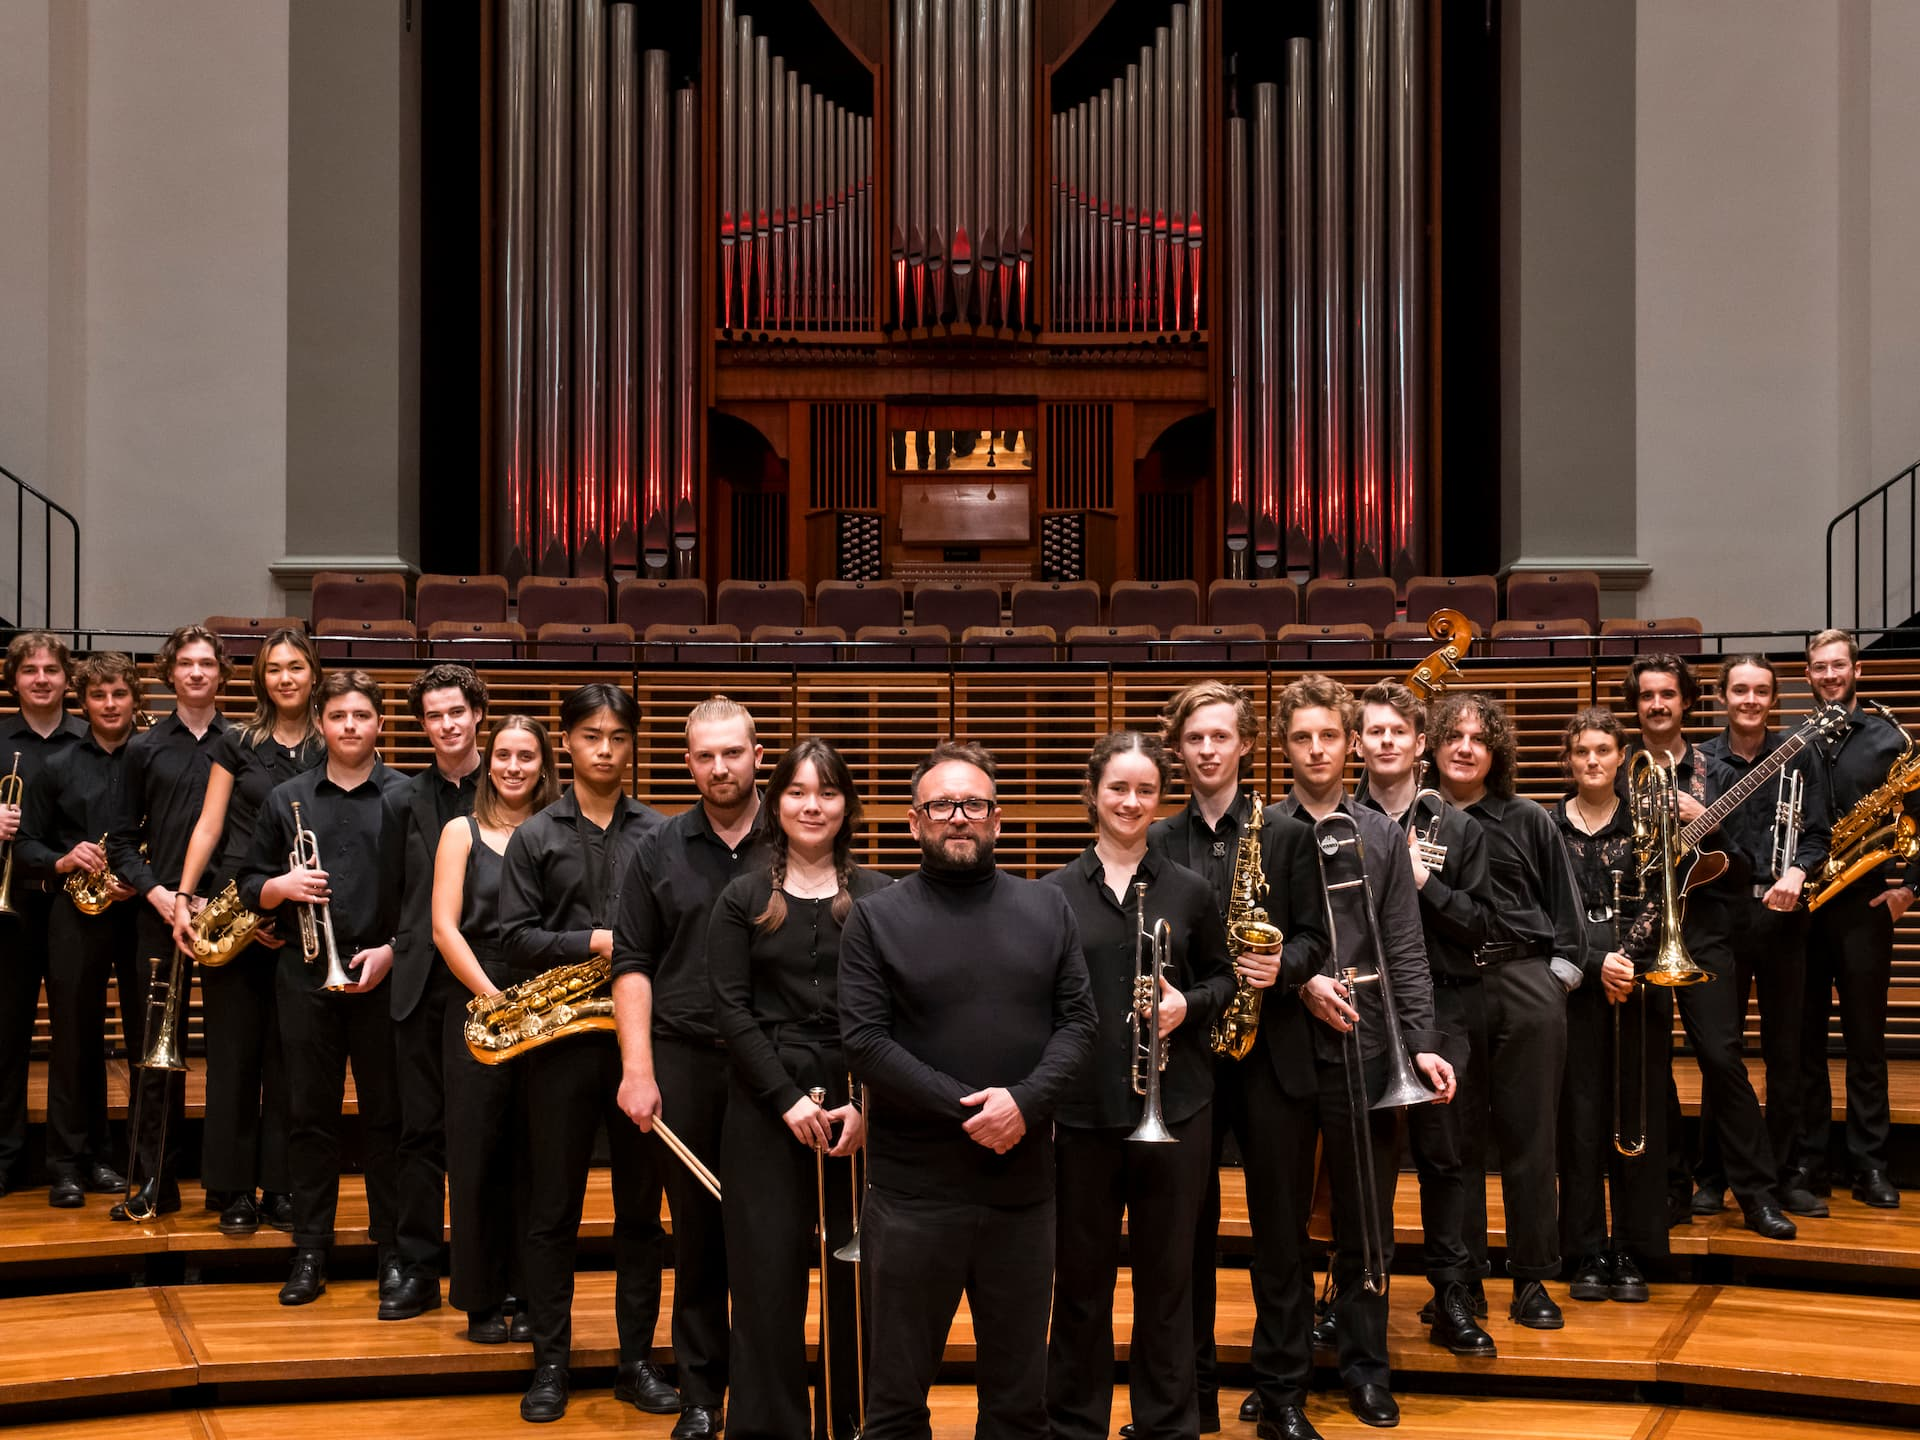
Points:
[[1117, 890], [773, 953]]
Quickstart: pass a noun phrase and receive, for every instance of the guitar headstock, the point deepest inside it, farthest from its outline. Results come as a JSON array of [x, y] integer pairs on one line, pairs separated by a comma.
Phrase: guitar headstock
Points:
[[1827, 722]]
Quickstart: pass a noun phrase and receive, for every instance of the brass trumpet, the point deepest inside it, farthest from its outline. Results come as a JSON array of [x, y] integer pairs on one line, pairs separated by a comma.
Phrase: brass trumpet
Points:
[[316, 919], [1149, 1050]]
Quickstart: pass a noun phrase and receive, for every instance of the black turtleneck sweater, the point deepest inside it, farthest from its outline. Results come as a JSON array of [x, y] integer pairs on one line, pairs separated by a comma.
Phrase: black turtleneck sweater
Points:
[[951, 983]]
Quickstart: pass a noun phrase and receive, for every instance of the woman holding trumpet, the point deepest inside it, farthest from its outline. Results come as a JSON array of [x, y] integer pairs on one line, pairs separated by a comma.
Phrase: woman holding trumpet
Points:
[[1156, 952], [773, 953], [1619, 1042]]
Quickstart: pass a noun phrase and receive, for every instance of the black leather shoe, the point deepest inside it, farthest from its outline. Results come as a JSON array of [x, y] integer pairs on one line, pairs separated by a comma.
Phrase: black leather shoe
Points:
[[1765, 1219], [66, 1193], [1533, 1307], [242, 1217], [276, 1209], [1627, 1284], [1709, 1200], [546, 1398], [1374, 1405], [1326, 1334], [414, 1295], [1454, 1325], [1290, 1424], [520, 1332], [1872, 1187], [1126, 1431], [1250, 1409], [103, 1179], [487, 1327], [392, 1275], [308, 1280], [1476, 1299], [1591, 1279], [169, 1204], [1799, 1197], [642, 1386], [696, 1422]]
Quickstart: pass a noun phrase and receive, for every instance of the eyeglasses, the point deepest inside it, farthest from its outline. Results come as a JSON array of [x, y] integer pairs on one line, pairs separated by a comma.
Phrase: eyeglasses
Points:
[[973, 807]]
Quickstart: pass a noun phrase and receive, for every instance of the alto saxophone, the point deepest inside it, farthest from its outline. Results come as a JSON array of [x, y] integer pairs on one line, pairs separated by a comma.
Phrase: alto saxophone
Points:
[[1877, 829], [566, 1000], [92, 890], [1248, 933], [223, 928]]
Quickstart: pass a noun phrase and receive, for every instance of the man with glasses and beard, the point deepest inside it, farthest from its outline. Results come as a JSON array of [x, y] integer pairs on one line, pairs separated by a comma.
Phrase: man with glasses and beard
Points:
[[966, 1010]]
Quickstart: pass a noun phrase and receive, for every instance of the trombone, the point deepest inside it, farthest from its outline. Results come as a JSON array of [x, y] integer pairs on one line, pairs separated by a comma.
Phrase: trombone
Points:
[[163, 1051], [12, 790], [1630, 1148], [859, 1177], [850, 1252], [1149, 1050], [316, 919], [1653, 794]]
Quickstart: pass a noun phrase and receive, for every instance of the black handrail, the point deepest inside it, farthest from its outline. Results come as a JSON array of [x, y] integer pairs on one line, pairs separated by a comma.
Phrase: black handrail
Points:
[[50, 508], [1856, 513]]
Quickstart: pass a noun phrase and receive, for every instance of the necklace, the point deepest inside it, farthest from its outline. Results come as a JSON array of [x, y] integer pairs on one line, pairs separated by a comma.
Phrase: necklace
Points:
[[1587, 823], [817, 882]]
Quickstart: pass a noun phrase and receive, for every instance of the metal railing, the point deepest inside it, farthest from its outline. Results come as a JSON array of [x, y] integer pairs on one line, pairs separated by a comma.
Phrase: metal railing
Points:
[[1882, 585], [35, 578]]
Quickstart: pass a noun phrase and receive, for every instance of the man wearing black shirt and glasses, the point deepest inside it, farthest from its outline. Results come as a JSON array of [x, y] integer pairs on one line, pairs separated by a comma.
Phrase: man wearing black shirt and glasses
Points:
[[560, 888], [672, 1057], [966, 1010], [346, 805]]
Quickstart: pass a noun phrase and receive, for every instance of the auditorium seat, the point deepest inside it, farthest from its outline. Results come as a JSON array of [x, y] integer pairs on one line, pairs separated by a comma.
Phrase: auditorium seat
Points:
[[557, 640], [958, 606], [1214, 644], [562, 600], [1371, 602], [1475, 596], [370, 642], [748, 604], [242, 634], [1057, 604], [1021, 644], [702, 644], [1269, 604], [1555, 595], [1566, 638], [797, 644], [1408, 640], [1317, 643], [471, 640], [918, 644], [1162, 604], [459, 597], [855, 604], [341, 595], [1115, 644], [1679, 635], [641, 603]]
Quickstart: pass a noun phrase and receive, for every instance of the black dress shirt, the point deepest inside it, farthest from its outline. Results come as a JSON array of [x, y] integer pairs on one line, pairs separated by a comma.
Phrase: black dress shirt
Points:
[[1747, 834], [70, 800], [665, 906], [163, 782], [423, 807], [358, 845], [1198, 966], [561, 880], [1535, 905], [1854, 764], [951, 984], [1594, 859], [36, 749], [256, 769], [1698, 777], [1456, 903], [776, 995]]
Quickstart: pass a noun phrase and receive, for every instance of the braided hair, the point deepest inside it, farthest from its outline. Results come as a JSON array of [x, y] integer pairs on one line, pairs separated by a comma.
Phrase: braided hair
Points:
[[831, 773]]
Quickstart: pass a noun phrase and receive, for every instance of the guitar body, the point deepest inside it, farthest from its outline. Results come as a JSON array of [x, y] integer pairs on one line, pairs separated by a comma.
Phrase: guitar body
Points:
[[1702, 867]]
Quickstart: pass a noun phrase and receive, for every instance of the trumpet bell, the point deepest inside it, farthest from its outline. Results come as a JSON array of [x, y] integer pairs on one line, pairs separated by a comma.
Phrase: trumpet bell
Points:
[[1404, 1087], [849, 1252], [1152, 1130]]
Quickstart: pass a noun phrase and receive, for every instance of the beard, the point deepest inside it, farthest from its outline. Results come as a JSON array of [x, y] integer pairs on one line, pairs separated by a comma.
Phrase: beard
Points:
[[935, 855]]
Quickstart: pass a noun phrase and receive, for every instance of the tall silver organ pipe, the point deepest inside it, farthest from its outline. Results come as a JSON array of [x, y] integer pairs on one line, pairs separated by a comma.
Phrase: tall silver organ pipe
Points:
[[960, 251], [1162, 85], [791, 201], [727, 144], [657, 316], [1005, 210], [917, 168], [1369, 327], [1146, 186], [1331, 207], [1022, 228], [686, 334], [1239, 388], [1130, 202], [776, 185], [902, 87], [762, 178], [809, 200], [986, 237], [744, 226], [623, 295], [1298, 230], [939, 109], [1177, 161], [1406, 367], [1196, 150], [1266, 323], [513, 491], [551, 530]]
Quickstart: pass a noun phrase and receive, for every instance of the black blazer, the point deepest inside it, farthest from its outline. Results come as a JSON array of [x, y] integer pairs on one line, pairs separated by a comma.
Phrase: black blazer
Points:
[[414, 959]]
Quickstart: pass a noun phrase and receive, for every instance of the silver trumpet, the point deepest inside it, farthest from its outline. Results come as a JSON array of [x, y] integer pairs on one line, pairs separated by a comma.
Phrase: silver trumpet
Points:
[[1426, 841], [1786, 819], [1149, 1050], [316, 919]]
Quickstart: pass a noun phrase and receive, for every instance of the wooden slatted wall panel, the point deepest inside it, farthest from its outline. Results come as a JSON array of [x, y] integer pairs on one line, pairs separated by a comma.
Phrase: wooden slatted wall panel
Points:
[[845, 470], [1076, 457]]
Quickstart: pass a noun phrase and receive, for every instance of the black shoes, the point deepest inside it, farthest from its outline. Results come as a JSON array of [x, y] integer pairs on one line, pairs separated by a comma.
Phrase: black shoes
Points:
[[1766, 1220], [414, 1295], [276, 1210], [66, 1193], [241, 1217], [1250, 1409], [1872, 1187], [546, 1398], [103, 1179], [1800, 1195], [520, 1331], [392, 1273], [1290, 1424], [1709, 1200], [487, 1327], [696, 1422], [1628, 1284], [1533, 1307], [1592, 1279], [169, 1204], [1476, 1300], [642, 1386], [1374, 1405], [308, 1280], [1326, 1334], [1454, 1325]]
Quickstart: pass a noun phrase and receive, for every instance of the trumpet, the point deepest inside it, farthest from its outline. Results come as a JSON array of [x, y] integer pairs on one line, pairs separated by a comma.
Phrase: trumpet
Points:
[[1787, 797], [1432, 853], [1149, 1050], [316, 919], [1629, 1148], [12, 788], [164, 1050]]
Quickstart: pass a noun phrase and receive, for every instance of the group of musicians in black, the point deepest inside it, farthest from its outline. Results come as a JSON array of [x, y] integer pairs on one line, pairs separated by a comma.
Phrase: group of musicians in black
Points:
[[976, 1039]]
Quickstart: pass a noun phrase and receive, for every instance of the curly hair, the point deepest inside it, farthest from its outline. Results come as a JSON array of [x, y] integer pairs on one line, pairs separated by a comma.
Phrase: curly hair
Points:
[[1496, 733], [832, 773], [447, 676]]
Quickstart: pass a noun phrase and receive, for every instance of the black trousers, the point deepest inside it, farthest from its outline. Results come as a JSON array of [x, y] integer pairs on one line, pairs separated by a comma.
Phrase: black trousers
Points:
[[419, 1044], [1440, 1153], [921, 1254], [694, 1081], [82, 952], [1511, 1104], [572, 1085], [156, 1090], [23, 964], [771, 1217], [244, 1142], [1849, 955], [322, 1033], [488, 1179], [1280, 1202], [1099, 1175], [1770, 959], [1229, 1112], [1590, 1165], [1713, 1015]]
